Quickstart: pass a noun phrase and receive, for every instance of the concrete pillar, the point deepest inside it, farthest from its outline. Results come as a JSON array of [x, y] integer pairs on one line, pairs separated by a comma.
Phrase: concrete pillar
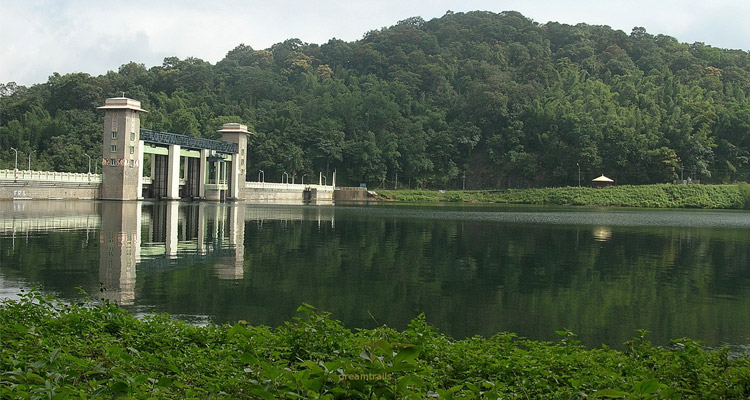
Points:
[[173, 173], [203, 173], [217, 172], [139, 167], [233, 173]]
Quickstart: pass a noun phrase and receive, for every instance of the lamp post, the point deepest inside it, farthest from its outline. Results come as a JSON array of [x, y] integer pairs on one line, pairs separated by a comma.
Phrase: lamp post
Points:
[[579, 174], [16, 167], [261, 173], [287, 178], [303, 178], [30, 153], [89, 162]]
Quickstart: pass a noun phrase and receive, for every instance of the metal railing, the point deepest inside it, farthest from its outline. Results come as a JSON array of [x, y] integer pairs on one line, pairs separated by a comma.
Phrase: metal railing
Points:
[[353, 188], [48, 176], [166, 138], [288, 186]]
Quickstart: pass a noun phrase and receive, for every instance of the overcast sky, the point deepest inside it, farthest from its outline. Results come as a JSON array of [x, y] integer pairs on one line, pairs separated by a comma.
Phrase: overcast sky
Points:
[[39, 37]]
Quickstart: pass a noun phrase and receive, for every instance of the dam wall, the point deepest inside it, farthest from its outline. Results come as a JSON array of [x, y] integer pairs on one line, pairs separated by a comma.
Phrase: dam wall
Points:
[[45, 185]]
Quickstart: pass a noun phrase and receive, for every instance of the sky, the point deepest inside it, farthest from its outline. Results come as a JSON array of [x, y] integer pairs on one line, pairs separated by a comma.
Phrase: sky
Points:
[[40, 37]]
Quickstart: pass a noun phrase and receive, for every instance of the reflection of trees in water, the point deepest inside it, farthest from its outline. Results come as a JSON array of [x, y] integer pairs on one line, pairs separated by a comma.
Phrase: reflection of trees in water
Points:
[[481, 278], [468, 277]]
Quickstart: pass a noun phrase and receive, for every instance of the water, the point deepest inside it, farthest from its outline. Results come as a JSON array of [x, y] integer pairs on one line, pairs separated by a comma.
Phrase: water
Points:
[[473, 270]]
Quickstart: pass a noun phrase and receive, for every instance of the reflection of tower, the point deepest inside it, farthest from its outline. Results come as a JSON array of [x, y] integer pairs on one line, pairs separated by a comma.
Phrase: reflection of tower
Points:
[[201, 239], [120, 242], [173, 214], [232, 267]]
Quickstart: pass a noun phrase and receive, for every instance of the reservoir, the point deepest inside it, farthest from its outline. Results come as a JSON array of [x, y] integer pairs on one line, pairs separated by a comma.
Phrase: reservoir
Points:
[[471, 269]]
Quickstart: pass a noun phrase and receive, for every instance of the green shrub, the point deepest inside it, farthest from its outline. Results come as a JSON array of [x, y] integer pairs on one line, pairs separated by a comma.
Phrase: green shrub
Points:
[[53, 350], [744, 189], [650, 196]]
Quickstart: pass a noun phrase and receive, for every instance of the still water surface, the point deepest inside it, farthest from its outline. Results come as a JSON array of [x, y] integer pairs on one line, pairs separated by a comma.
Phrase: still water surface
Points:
[[473, 270]]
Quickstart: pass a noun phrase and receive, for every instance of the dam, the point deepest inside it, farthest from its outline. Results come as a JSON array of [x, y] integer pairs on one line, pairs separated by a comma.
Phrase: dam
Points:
[[139, 164]]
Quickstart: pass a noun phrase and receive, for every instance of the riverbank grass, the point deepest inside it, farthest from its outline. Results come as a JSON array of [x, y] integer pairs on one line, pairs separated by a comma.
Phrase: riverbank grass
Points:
[[58, 351], [647, 196]]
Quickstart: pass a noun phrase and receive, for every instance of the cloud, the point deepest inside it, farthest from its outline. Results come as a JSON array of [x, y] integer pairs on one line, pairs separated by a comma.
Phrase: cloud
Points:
[[45, 36]]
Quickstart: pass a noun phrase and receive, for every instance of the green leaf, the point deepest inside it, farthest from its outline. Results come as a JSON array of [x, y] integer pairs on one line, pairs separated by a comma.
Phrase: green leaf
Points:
[[306, 308], [383, 347], [409, 380], [407, 354], [404, 366], [261, 392], [238, 330], [648, 386], [34, 377], [312, 366], [611, 393], [165, 382], [332, 365], [119, 387], [445, 394], [173, 368], [53, 356], [474, 388], [247, 358], [456, 388]]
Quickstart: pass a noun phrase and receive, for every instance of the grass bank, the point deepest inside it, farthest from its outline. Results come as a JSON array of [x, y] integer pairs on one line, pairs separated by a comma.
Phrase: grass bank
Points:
[[650, 196], [57, 351]]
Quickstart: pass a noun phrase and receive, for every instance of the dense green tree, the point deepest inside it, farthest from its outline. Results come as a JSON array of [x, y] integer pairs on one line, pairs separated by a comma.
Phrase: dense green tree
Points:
[[477, 99]]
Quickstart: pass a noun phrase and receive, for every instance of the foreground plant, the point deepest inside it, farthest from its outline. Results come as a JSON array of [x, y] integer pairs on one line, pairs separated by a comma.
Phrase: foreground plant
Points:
[[50, 349]]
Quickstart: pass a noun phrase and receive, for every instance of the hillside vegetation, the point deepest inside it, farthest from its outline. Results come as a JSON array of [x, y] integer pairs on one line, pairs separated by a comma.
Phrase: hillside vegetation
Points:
[[489, 100], [647, 196]]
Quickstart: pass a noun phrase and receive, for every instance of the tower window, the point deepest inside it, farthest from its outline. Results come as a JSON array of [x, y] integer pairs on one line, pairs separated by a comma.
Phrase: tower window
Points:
[[114, 135], [113, 148]]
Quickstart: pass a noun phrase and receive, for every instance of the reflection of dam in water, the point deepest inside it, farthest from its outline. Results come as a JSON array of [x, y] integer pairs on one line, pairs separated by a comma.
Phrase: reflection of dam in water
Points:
[[152, 236], [40, 216], [157, 235]]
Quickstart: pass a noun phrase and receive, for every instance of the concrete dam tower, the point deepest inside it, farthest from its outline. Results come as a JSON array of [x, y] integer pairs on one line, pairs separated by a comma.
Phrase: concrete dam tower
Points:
[[122, 151]]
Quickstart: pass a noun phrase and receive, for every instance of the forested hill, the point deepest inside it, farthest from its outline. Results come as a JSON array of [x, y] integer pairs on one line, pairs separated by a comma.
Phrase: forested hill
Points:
[[498, 97]]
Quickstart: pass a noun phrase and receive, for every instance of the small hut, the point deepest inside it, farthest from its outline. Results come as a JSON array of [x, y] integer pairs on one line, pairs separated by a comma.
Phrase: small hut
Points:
[[602, 181]]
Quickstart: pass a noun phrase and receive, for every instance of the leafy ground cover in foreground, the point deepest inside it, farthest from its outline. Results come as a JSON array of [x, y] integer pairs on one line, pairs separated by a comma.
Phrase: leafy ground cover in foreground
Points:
[[649, 196], [53, 350]]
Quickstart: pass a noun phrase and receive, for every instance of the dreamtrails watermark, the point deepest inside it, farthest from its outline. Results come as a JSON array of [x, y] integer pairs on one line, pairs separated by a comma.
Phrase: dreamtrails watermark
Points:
[[365, 377]]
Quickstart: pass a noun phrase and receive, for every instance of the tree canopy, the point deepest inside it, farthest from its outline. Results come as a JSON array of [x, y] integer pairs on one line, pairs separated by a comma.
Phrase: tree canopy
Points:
[[475, 100]]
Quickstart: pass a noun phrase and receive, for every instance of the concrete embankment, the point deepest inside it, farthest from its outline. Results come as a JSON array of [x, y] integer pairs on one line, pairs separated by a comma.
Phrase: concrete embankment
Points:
[[33, 185]]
